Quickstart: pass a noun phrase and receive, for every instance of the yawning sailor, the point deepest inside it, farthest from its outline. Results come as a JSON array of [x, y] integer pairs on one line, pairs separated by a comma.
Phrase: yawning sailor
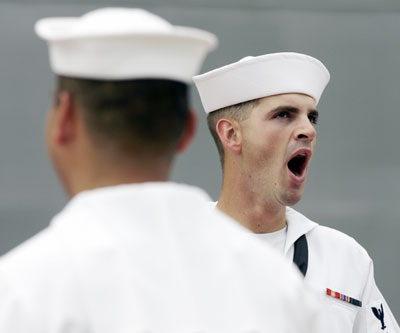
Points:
[[262, 113]]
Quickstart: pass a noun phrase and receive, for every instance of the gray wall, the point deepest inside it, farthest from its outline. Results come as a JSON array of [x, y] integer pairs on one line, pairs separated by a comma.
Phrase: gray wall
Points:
[[354, 180]]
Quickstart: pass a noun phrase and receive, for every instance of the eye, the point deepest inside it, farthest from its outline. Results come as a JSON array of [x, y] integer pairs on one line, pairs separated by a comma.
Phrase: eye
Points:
[[313, 118], [282, 114]]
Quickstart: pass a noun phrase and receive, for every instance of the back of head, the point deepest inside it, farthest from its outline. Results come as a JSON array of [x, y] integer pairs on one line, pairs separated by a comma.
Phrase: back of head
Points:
[[136, 118], [128, 72]]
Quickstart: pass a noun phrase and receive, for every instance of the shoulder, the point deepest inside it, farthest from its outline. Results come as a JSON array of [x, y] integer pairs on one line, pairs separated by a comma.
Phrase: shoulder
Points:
[[31, 256], [41, 268], [337, 261], [44, 260], [37, 282], [327, 238], [338, 241], [32, 267]]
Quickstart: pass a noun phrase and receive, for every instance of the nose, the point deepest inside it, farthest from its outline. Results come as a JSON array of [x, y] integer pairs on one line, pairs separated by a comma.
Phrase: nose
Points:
[[305, 130]]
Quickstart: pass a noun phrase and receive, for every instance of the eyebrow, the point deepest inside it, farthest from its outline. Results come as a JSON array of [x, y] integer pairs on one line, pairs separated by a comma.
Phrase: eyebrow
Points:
[[314, 113], [292, 109]]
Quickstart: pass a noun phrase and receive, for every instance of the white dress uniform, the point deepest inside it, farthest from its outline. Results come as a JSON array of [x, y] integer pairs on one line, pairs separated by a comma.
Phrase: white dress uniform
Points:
[[341, 272], [150, 257], [334, 264]]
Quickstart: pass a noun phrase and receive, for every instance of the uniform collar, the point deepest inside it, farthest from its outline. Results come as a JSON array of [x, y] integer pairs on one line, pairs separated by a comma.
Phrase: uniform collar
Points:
[[143, 195], [298, 225]]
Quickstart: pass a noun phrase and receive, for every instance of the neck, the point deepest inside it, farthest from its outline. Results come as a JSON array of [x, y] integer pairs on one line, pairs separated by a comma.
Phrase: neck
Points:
[[102, 173], [249, 208]]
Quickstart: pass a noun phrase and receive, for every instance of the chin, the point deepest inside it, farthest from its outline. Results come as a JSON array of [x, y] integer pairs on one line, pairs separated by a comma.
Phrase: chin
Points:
[[291, 198]]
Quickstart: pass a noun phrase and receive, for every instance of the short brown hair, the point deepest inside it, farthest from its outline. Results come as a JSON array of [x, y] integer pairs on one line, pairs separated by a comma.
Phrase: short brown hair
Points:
[[238, 112], [145, 117]]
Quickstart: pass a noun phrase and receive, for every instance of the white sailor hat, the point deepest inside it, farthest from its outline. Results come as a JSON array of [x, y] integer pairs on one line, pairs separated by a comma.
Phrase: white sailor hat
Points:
[[256, 77], [124, 43]]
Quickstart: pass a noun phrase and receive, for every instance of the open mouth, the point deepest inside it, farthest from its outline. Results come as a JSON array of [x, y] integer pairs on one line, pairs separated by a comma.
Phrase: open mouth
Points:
[[298, 163]]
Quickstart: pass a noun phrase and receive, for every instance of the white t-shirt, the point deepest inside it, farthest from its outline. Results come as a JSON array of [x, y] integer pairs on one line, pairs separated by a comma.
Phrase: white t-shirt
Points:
[[275, 239]]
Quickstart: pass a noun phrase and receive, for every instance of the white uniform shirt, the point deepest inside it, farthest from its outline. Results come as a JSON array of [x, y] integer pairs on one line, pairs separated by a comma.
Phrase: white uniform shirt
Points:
[[149, 257], [336, 261]]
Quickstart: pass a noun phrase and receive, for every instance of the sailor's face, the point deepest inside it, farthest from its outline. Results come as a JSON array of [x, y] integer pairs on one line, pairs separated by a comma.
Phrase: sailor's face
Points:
[[278, 143]]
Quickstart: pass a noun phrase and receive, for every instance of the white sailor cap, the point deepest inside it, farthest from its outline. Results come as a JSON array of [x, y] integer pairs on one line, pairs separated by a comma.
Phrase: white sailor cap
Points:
[[256, 77], [124, 43]]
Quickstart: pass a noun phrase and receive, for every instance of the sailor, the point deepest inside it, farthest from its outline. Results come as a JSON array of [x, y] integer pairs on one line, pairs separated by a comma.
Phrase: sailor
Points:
[[262, 113], [131, 251]]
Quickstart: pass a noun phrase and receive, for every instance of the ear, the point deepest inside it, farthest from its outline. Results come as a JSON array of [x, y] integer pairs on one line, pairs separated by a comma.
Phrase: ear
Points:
[[65, 119], [189, 131], [230, 134]]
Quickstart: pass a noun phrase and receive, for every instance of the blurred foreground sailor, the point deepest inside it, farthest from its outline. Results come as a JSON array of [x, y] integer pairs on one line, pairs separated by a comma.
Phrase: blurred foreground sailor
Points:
[[132, 252], [262, 113]]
